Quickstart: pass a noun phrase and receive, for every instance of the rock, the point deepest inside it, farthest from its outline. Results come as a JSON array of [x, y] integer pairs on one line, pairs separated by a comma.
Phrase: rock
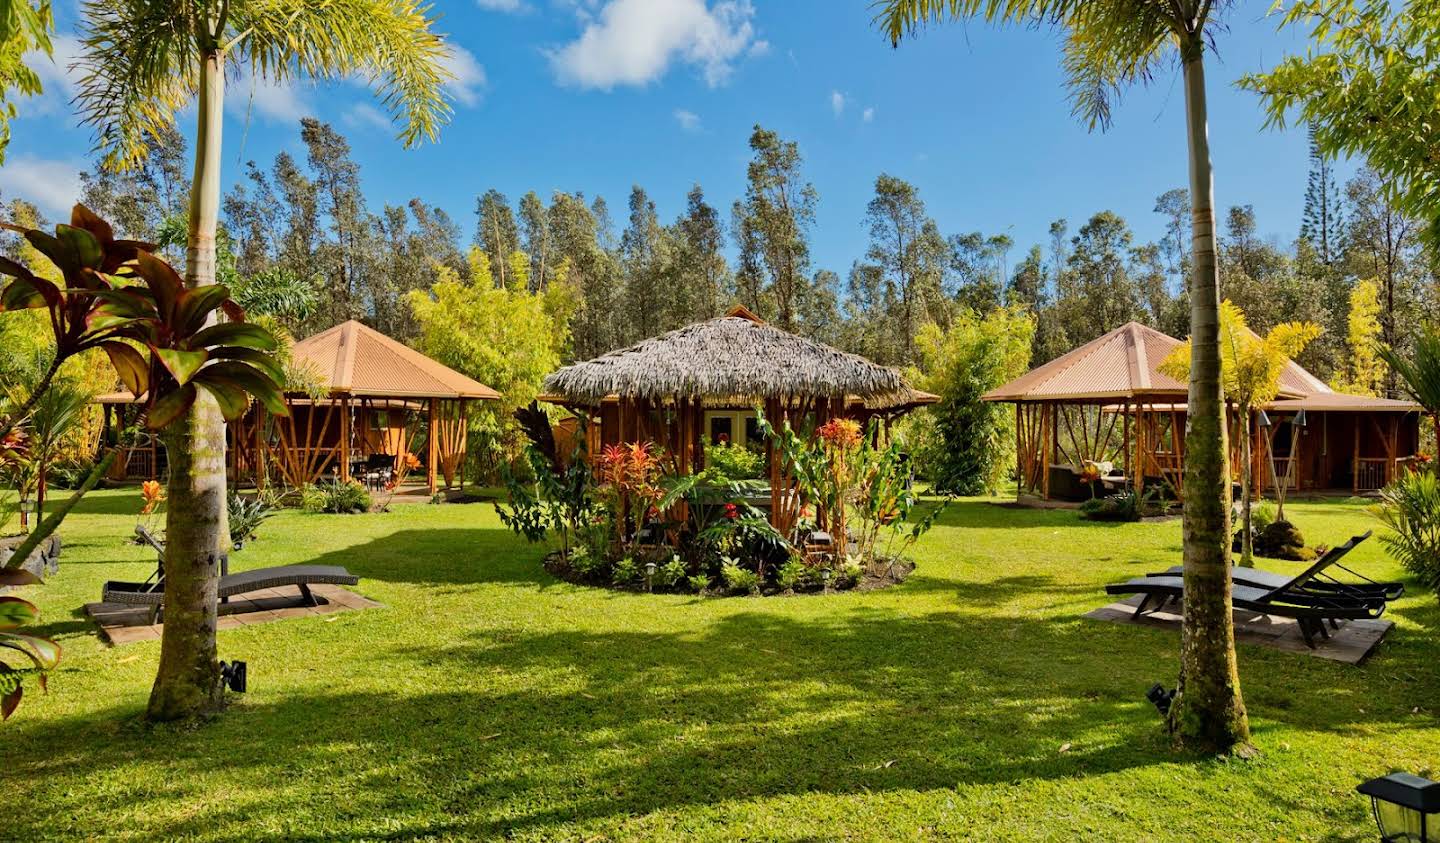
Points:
[[1283, 540], [43, 561]]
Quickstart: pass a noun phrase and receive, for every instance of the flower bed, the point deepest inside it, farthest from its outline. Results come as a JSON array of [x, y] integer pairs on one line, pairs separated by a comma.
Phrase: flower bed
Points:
[[634, 523]]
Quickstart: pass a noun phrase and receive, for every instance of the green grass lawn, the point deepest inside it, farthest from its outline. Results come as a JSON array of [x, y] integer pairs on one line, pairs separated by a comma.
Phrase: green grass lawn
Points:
[[488, 699]]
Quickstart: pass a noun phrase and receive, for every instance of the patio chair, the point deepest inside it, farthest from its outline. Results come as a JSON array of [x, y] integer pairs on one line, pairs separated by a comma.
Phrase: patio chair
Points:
[[1313, 610], [152, 594], [1319, 580]]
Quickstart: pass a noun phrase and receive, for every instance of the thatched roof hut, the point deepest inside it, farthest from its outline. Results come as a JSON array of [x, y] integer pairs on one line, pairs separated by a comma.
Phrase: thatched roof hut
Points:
[[733, 360]]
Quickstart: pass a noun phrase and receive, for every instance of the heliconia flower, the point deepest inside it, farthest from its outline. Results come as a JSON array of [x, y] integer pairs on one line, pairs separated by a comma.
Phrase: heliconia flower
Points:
[[842, 433], [153, 493], [732, 511]]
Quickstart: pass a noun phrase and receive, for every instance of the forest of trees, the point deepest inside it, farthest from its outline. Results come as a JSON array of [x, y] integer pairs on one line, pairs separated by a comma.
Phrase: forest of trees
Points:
[[305, 243]]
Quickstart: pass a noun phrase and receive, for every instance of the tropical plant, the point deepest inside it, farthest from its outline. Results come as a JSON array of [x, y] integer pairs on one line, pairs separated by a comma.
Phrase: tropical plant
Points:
[[152, 494], [140, 65], [41, 654], [25, 30], [59, 410], [1364, 371], [246, 515], [336, 498], [1250, 369], [1410, 507], [631, 476], [558, 501], [1108, 46], [1420, 372], [737, 579]]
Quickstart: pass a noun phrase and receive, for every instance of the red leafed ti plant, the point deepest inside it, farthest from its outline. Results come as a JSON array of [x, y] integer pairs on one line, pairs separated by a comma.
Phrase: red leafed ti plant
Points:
[[41, 654]]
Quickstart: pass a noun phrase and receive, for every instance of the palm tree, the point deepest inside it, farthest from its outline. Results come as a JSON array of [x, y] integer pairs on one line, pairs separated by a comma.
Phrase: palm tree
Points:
[[1110, 44], [144, 60]]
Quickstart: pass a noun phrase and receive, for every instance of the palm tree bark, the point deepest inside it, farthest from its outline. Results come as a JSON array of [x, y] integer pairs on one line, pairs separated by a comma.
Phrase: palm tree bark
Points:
[[187, 683], [1208, 712], [1247, 492]]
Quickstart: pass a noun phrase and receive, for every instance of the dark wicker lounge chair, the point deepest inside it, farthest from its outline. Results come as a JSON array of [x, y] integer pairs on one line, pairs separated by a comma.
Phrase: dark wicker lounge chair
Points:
[[302, 576], [1319, 581], [1312, 608]]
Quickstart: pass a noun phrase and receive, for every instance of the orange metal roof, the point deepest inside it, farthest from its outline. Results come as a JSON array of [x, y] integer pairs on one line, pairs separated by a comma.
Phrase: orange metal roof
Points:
[[1125, 364], [1341, 402], [358, 360]]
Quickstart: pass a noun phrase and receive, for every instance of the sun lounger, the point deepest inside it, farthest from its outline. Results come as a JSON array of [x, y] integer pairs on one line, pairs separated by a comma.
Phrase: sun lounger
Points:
[[301, 576], [1312, 609], [1318, 579]]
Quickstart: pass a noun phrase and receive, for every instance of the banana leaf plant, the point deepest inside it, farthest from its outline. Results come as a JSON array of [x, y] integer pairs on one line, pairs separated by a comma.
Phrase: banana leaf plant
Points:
[[88, 257], [41, 654]]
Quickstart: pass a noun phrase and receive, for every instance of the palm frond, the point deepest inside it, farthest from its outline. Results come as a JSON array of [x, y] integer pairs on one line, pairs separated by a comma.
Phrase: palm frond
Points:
[[387, 42], [139, 66], [1421, 371], [1109, 46]]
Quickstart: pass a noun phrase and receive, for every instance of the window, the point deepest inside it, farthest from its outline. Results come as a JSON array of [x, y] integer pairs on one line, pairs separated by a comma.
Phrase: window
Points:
[[738, 427]]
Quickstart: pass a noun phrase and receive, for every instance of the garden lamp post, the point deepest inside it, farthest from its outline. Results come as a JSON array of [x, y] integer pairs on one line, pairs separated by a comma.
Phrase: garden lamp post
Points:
[[27, 506], [825, 575], [649, 575], [1403, 805]]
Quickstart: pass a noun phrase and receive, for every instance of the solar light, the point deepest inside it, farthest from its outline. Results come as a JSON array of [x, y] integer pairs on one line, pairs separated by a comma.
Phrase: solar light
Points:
[[1160, 698], [825, 576], [649, 573], [1403, 805], [1262, 420], [232, 674]]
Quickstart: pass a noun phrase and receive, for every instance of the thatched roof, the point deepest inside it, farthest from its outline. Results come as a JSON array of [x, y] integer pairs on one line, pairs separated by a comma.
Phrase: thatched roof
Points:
[[736, 358]]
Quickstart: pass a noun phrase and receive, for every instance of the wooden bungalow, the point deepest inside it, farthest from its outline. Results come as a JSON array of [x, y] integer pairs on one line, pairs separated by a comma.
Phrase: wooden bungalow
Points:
[[1107, 402], [706, 382], [379, 399]]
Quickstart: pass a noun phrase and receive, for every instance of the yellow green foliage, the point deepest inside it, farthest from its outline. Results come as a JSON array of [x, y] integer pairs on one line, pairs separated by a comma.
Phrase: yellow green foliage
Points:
[[508, 338], [1250, 365], [1364, 373]]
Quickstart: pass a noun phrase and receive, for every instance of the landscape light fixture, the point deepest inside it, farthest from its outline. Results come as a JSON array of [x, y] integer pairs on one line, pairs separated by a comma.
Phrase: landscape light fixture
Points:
[[649, 574], [1403, 805], [232, 676], [1160, 698], [1300, 420], [825, 579], [1262, 420]]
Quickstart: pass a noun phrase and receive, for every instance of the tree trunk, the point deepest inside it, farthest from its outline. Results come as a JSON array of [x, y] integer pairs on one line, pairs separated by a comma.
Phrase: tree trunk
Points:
[[187, 683], [1208, 713]]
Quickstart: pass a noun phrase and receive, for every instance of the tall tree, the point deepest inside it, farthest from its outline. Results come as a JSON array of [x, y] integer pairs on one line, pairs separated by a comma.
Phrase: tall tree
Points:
[[1108, 46], [496, 232], [642, 260], [1382, 243], [1322, 223], [773, 225], [25, 30], [703, 269], [142, 63], [535, 239], [1174, 206], [906, 246], [1096, 293]]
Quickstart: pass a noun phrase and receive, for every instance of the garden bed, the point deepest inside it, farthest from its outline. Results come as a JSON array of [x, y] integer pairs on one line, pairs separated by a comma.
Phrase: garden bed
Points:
[[867, 578]]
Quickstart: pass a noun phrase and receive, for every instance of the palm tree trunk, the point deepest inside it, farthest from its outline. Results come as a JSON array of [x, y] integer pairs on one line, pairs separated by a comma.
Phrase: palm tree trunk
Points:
[[187, 683], [1208, 712]]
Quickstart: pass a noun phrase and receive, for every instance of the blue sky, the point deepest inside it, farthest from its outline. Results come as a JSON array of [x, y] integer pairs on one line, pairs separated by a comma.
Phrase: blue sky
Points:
[[597, 95]]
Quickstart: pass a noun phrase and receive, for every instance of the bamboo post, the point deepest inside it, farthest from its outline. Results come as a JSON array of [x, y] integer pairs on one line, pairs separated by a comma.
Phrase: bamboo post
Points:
[[431, 447], [345, 439]]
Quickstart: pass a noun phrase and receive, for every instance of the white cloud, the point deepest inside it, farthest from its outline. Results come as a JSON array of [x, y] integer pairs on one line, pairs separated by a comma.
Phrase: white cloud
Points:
[[634, 42], [58, 82], [53, 185], [688, 120], [759, 48], [280, 102], [837, 102], [501, 5], [868, 115], [363, 114], [469, 75]]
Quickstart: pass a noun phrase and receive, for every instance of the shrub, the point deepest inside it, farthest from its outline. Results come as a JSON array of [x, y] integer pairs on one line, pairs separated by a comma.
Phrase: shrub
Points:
[[585, 563], [1121, 506], [672, 573], [739, 579], [850, 573], [1410, 507], [625, 571], [698, 583], [335, 498], [793, 574], [245, 517], [727, 462], [1262, 515]]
